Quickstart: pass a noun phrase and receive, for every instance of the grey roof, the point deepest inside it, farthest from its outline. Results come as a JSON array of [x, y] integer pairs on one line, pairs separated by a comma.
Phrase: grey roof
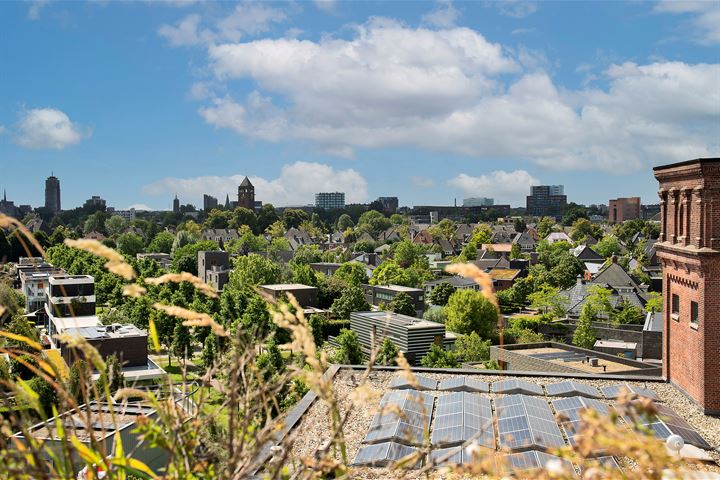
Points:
[[585, 253], [246, 182], [456, 281], [615, 276]]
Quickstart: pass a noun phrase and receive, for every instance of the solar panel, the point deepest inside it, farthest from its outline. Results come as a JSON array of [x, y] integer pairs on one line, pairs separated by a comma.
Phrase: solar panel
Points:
[[399, 382], [570, 410], [462, 416], [382, 454], [526, 422], [513, 385], [404, 417], [614, 391], [609, 462], [572, 388], [463, 383], [529, 461], [667, 422]]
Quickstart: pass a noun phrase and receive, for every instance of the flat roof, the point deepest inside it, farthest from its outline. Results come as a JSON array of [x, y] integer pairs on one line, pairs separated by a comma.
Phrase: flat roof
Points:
[[504, 273], [65, 323], [687, 162], [311, 427], [399, 319], [399, 288], [96, 332], [616, 344], [573, 359]]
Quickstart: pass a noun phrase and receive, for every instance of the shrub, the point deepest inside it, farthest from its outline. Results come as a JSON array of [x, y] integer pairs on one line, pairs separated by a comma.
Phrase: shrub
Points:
[[469, 311], [387, 354], [438, 357], [350, 351]]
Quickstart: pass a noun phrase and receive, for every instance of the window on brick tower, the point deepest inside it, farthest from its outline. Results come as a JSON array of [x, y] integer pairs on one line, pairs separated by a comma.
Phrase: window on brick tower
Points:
[[694, 313], [675, 307], [681, 231]]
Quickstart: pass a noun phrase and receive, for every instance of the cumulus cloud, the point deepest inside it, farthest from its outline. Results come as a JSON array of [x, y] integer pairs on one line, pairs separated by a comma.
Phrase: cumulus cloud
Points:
[[451, 90], [139, 206], [297, 184], [503, 186], [326, 5], [444, 16], [516, 8], [35, 7], [248, 18], [704, 18], [48, 128]]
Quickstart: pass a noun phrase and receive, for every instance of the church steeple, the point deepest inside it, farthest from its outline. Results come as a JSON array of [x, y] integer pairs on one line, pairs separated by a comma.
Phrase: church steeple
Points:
[[227, 201]]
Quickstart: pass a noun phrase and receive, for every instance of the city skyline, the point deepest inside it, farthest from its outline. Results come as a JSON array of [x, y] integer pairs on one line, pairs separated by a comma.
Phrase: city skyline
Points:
[[179, 100]]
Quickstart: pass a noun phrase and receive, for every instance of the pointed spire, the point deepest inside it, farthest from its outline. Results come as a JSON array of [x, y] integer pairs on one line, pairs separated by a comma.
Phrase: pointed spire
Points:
[[227, 200]]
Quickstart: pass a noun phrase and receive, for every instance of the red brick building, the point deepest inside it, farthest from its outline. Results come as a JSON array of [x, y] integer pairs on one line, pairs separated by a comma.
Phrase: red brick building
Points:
[[689, 248], [622, 209]]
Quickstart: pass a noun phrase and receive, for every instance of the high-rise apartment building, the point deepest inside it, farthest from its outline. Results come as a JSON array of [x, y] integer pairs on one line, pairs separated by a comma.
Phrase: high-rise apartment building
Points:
[[546, 201], [246, 195], [689, 249], [52, 194], [330, 200], [389, 204], [622, 209], [95, 203]]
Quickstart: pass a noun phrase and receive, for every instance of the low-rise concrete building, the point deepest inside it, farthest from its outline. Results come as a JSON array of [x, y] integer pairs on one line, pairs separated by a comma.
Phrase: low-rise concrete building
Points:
[[208, 259], [379, 295], [304, 294]]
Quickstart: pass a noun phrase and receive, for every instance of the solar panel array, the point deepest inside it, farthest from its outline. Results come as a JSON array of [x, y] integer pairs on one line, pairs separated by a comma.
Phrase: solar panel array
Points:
[[572, 388], [570, 410], [526, 422], [462, 416], [513, 385], [382, 454], [404, 417], [667, 422], [530, 460], [399, 382], [613, 391], [464, 383]]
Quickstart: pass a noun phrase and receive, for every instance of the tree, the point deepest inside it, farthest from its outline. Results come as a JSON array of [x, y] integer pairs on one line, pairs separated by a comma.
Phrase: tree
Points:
[[182, 342], [183, 238], [79, 380], [185, 258], [307, 254], [469, 253], [317, 326], [469, 311], [375, 221], [438, 357], [549, 300], [627, 313], [353, 273], [403, 304], [654, 302], [130, 244], [47, 395], [608, 246], [445, 228], [390, 273], [599, 300], [276, 229], [481, 235], [115, 225], [304, 275], [350, 351], [95, 223], [435, 314], [266, 216], [387, 353], [242, 216], [351, 300], [293, 217], [12, 301], [472, 348], [585, 335], [515, 251], [256, 320], [572, 213], [344, 222], [161, 243], [209, 351], [519, 225], [545, 226], [582, 228], [113, 376], [253, 270], [441, 294], [218, 219]]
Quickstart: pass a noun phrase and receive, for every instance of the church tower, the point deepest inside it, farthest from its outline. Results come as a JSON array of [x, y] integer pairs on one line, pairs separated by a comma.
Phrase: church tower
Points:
[[689, 248], [246, 195]]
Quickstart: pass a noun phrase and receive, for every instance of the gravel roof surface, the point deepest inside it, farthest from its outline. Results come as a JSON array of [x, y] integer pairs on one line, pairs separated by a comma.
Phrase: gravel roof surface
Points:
[[314, 428]]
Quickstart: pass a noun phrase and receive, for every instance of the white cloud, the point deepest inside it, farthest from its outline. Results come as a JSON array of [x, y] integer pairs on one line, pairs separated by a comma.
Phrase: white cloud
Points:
[[139, 206], [501, 185], [297, 184], [444, 16], [35, 7], [48, 128], [326, 5], [422, 182], [516, 8], [447, 90], [704, 18], [2, 129], [247, 18], [522, 31]]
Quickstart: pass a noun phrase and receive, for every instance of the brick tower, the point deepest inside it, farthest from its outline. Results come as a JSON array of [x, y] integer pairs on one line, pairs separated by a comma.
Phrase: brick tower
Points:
[[689, 248], [246, 195]]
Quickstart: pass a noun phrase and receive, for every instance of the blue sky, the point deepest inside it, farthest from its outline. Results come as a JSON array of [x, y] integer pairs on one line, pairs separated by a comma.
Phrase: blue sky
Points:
[[428, 101]]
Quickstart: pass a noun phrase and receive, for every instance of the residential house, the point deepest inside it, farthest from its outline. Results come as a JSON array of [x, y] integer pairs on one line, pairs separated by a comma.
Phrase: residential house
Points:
[[222, 236], [457, 282], [504, 278], [526, 241], [554, 237], [378, 295]]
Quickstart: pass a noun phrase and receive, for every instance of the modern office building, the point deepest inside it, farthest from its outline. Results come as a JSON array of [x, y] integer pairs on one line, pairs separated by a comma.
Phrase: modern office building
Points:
[[689, 249], [389, 204], [246, 195], [52, 194], [546, 201], [621, 209], [378, 295], [95, 203], [33, 283], [330, 200], [478, 202], [304, 294], [69, 303], [208, 260], [209, 202]]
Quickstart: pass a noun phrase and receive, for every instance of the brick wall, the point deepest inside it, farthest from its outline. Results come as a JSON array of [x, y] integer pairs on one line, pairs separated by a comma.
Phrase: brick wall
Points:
[[688, 248]]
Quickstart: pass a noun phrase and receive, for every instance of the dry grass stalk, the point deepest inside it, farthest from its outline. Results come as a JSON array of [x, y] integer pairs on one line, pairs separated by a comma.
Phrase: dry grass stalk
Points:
[[471, 271], [184, 277], [134, 290], [193, 318], [115, 261], [10, 222]]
